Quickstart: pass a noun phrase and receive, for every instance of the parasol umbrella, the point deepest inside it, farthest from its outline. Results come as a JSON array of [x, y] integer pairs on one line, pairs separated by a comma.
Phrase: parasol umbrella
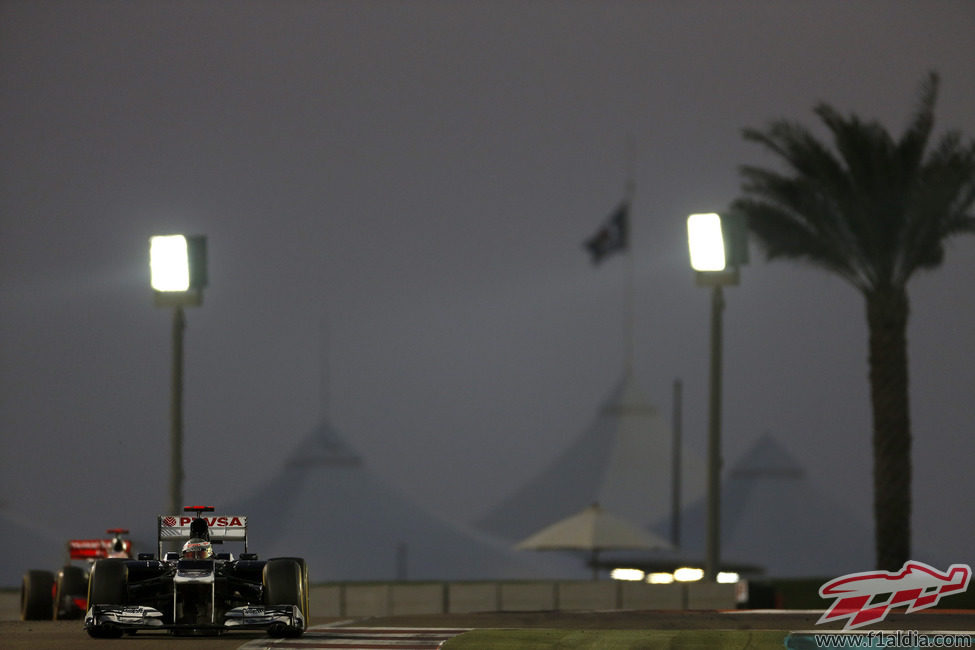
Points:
[[594, 530]]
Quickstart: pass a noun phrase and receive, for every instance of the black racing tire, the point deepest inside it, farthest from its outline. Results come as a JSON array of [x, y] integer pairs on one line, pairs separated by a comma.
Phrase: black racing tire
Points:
[[108, 582], [37, 596], [107, 585], [71, 582], [305, 610], [286, 583]]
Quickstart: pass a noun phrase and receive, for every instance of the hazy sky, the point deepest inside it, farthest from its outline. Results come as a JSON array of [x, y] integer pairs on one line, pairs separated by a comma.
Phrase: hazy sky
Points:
[[395, 195]]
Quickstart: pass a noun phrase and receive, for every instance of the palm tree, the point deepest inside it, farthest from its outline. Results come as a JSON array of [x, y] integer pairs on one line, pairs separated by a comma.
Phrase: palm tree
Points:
[[874, 211]]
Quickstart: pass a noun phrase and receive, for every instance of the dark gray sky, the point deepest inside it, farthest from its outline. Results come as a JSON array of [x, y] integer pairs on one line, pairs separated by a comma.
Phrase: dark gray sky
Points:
[[395, 195]]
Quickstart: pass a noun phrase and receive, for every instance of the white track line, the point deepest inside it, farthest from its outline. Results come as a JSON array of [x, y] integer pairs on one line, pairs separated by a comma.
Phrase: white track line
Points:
[[361, 638]]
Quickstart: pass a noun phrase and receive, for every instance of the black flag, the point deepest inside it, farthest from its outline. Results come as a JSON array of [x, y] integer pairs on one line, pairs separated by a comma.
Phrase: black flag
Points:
[[612, 237]]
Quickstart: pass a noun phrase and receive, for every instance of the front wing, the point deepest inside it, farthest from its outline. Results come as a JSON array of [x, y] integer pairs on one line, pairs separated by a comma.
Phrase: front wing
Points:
[[283, 620]]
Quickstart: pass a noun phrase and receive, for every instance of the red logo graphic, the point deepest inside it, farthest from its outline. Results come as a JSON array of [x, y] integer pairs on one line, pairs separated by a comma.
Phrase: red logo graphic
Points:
[[212, 522], [864, 598]]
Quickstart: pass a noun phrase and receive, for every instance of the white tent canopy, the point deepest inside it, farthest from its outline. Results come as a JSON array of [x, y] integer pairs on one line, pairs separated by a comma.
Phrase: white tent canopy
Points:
[[593, 530]]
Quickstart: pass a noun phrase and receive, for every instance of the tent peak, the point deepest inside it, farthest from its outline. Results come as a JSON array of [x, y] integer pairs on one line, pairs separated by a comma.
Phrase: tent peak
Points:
[[767, 458], [324, 446]]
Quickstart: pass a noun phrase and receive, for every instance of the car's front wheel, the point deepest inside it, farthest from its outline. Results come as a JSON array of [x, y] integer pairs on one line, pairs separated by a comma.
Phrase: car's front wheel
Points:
[[107, 585], [286, 583], [37, 596]]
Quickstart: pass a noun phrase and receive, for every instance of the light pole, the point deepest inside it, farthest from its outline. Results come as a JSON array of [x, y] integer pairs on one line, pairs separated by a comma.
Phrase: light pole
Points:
[[707, 247], [178, 273]]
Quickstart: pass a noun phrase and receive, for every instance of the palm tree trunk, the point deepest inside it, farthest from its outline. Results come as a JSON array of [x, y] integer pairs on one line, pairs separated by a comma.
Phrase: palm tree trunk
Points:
[[887, 313]]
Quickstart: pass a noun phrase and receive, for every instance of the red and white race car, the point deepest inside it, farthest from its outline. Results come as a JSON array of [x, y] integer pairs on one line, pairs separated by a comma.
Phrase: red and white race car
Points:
[[46, 595]]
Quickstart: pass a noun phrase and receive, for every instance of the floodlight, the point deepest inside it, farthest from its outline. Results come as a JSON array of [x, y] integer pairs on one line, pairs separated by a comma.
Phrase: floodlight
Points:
[[727, 577], [706, 242], [169, 263], [177, 274], [710, 255]]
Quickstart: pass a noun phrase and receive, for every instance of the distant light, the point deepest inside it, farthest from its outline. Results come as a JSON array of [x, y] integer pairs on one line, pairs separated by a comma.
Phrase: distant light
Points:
[[660, 578], [633, 575], [169, 263], [706, 242], [688, 574], [727, 577]]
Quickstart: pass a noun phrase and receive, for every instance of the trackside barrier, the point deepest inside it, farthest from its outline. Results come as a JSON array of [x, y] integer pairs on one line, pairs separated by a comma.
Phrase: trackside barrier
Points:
[[398, 598]]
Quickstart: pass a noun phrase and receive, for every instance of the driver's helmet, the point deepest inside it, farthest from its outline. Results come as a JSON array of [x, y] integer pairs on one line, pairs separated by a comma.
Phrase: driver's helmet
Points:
[[197, 549], [118, 548]]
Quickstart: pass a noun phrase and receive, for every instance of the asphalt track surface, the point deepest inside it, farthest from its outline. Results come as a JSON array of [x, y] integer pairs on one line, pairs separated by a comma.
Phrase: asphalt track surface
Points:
[[58, 635]]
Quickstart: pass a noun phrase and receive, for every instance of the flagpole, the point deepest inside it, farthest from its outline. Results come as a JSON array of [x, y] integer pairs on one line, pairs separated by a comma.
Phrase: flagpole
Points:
[[614, 237], [628, 329], [324, 371], [628, 309]]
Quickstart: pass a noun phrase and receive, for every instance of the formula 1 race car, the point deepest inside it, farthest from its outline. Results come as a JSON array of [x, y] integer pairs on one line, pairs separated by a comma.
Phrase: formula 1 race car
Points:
[[197, 591], [44, 594]]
